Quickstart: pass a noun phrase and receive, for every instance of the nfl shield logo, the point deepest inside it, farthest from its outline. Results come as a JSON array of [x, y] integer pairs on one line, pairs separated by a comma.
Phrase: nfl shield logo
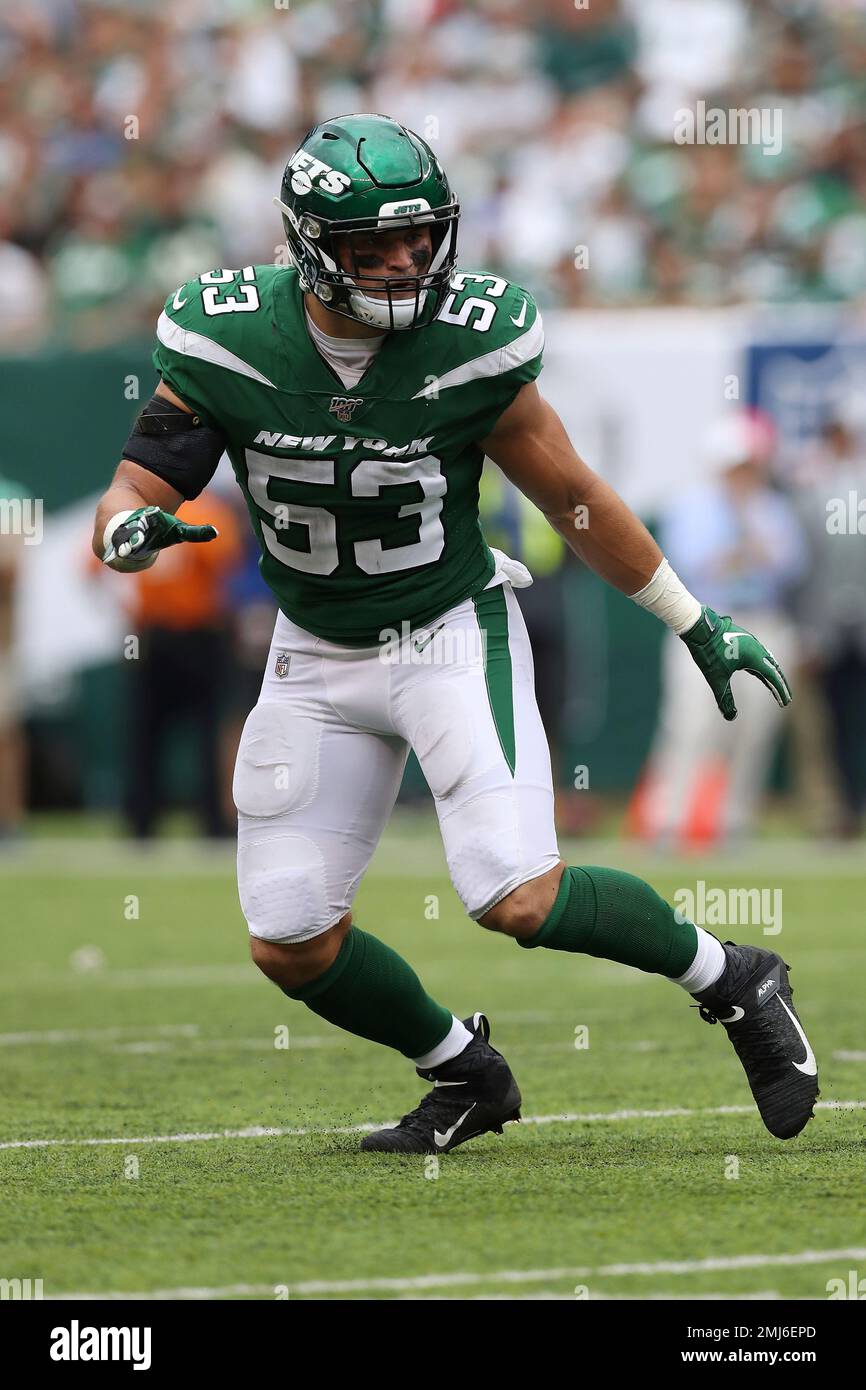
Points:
[[344, 406], [282, 667]]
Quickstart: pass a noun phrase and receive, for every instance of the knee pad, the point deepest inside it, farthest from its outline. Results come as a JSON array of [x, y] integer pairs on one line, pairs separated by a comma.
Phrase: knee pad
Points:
[[282, 888], [277, 767]]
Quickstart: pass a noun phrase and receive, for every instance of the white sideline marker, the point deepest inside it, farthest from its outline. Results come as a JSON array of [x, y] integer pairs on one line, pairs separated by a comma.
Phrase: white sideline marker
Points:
[[714, 1264], [274, 1132], [185, 1031], [65, 1035], [551, 1296]]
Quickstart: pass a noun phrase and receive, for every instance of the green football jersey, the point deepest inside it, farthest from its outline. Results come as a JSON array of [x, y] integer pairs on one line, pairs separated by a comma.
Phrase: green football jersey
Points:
[[364, 499]]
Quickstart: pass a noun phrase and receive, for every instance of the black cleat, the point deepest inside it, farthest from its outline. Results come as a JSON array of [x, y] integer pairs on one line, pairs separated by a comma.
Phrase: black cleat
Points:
[[472, 1094], [753, 1000]]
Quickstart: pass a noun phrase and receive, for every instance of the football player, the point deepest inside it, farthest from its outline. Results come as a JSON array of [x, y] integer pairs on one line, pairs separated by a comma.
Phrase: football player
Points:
[[357, 393]]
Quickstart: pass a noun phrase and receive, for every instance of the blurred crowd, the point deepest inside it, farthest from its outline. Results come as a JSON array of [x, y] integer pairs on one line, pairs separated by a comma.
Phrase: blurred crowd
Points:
[[143, 142], [772, 537]]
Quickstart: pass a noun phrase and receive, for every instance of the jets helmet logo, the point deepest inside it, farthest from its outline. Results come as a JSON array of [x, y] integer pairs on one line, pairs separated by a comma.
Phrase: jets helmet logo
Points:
[[344, 407], [309, 173]]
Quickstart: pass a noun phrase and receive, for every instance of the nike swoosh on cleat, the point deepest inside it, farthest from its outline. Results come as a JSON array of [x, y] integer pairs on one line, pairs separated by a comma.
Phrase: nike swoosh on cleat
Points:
[[519, 321], [443, 1139], [809, 1067], [450, 1083], [735, 1016]]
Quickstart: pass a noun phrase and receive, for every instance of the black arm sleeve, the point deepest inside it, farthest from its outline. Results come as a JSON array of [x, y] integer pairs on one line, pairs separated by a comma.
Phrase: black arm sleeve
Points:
[[178, 447]]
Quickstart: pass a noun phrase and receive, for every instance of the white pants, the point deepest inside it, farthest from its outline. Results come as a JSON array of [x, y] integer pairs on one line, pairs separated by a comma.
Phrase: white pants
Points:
[[322, 754]]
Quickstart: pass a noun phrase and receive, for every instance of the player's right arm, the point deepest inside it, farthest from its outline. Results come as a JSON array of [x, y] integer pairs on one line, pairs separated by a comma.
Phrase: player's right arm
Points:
[[135, 518], [176, 442]]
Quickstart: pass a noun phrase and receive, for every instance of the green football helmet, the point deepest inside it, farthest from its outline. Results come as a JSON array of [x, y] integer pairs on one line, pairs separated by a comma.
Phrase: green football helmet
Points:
[[366, 174]]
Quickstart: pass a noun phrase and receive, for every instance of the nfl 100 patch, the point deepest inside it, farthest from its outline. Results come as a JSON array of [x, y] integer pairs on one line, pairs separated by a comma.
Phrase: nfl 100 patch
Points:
[[344, 407]]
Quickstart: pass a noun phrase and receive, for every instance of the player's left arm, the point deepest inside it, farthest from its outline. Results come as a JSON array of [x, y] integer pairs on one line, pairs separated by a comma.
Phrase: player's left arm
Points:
[[530, 445]]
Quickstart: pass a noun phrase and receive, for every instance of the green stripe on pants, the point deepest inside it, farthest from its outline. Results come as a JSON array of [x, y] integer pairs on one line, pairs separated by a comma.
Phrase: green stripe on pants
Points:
[[491, 610]]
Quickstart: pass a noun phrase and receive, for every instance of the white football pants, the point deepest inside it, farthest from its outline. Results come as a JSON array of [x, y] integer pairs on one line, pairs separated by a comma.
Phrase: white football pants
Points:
[[322, 754]]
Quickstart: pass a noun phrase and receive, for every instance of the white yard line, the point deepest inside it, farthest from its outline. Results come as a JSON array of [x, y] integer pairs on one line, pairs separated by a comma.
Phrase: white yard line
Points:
[[550, 1295], [134, 977], [538, 1295], [406, 856], [714, 1264], [190, 1032], [275, 1132], [68, 1035], [844, 1056], [245, 973]]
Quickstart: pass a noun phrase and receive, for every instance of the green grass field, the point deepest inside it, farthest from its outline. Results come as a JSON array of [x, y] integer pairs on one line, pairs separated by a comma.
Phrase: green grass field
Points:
[[155, 1032]]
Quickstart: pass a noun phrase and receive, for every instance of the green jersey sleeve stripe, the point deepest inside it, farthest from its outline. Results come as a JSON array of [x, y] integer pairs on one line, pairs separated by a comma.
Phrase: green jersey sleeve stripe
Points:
[[494, 363], [189, 344]]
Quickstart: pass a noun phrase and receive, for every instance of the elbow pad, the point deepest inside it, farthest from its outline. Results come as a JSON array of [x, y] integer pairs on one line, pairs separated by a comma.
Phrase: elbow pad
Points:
[[178, 447]]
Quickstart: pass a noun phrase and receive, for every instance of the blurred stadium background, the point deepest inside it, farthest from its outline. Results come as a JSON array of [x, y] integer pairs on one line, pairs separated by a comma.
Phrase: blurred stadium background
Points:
[[704, 306], [706, 347]]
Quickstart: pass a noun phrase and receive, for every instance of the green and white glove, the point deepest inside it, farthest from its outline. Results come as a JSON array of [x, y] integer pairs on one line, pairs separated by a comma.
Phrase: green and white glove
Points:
[[137, 537], [719, 649]]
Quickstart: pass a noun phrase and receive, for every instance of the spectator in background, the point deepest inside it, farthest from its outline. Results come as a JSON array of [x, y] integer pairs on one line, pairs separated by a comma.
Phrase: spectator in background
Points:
[[831, 606], [11, 742], [179, 612], [737, 542], [24, 296]]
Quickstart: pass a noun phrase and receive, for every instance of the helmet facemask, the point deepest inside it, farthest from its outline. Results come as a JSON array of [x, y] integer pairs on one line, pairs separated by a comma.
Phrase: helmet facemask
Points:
[[392, 303]]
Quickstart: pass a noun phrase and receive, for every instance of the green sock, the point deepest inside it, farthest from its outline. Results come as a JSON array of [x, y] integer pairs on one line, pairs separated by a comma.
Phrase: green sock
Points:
[[370, 991], [607, 913]]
